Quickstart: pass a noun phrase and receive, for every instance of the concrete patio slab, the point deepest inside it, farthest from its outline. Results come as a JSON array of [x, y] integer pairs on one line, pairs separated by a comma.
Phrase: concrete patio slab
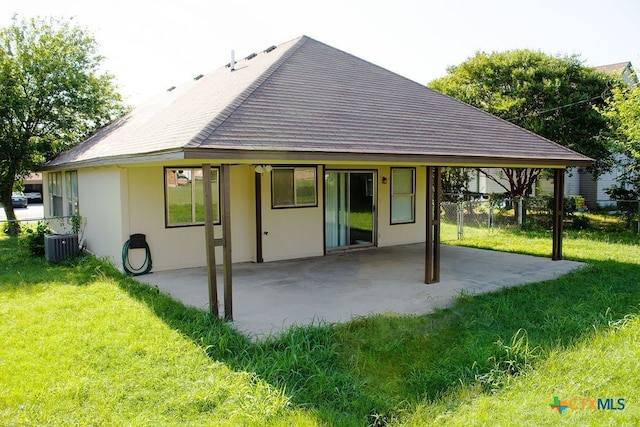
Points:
[[270, 297]]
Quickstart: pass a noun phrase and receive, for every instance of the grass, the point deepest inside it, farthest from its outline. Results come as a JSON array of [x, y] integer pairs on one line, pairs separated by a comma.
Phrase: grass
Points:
[[77, 349], [87, 346]]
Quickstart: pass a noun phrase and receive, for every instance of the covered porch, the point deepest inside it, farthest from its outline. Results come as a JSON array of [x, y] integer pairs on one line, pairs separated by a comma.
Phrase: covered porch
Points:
[[272, 296]]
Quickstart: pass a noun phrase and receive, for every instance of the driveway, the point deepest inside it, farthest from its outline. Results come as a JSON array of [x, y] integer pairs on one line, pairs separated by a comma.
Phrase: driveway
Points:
[[272, 296], [32, 212]]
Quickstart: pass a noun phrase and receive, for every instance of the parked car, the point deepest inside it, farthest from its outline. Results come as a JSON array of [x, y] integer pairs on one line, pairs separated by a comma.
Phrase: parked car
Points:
[[34, 196], [18, 199]]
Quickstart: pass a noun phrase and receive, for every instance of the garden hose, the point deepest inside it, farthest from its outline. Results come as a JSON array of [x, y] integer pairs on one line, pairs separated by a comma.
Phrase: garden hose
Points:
[[126, 263]]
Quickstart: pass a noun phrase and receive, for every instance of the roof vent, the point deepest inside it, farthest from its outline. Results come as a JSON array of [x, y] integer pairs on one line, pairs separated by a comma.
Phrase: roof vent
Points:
[[171, 88], [253, 55], [198, 77], [269, 49]]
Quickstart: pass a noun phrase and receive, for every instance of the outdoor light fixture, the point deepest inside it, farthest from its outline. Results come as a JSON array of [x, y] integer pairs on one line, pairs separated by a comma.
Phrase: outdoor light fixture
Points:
[[384, 179], [263, 168]]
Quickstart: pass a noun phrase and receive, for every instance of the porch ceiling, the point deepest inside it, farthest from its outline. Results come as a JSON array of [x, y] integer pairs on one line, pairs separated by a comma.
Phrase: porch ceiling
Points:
[[272, 296]]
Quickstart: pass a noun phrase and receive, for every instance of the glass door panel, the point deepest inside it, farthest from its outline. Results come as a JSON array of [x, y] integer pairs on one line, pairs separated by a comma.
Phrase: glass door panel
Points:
[[349, 209], [360, 208]]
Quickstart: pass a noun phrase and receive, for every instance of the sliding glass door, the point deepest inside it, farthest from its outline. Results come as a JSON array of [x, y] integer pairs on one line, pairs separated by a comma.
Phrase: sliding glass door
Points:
[[349, 209]]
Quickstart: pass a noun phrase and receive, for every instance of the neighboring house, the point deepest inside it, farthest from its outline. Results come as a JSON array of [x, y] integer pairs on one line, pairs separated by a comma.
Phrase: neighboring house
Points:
[[622, 69], [585, 184], [33, 187], [322, 151], [578, 181]]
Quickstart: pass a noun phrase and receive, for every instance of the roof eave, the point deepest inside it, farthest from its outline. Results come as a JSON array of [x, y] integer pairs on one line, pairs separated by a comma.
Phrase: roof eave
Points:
[[321, 157], [385, 158], [162, 156]]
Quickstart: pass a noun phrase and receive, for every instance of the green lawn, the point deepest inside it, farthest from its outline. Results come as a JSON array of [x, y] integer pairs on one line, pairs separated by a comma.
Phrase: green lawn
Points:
[[83, 345], [77, 349]]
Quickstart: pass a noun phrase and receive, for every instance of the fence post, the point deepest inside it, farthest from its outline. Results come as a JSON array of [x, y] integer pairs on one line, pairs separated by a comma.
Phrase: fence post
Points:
[[490, 225], [520, 202], [460, 219]]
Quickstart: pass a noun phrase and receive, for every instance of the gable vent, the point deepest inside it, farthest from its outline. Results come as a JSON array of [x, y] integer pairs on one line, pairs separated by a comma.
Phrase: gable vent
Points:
[[253, 55], [269, 49]]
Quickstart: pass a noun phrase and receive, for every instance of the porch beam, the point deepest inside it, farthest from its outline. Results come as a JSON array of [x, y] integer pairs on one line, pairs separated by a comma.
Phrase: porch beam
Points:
[[558, 213], [210, 240], [225, 208], [432, 253]]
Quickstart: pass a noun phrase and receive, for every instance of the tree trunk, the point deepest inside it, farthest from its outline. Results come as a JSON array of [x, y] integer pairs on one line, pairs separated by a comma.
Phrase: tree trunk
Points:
[[13, 228]]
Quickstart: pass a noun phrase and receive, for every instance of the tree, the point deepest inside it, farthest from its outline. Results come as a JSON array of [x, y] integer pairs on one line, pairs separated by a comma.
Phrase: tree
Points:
[[554, 97], [623, 110], [51, 97]]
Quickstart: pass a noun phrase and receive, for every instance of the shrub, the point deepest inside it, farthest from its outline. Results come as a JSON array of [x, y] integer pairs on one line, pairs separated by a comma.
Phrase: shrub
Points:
[[626, 201], [35, 238], [581, 222]]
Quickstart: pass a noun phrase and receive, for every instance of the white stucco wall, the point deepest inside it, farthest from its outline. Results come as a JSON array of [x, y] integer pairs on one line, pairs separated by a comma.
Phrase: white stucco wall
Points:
[[103, 200]]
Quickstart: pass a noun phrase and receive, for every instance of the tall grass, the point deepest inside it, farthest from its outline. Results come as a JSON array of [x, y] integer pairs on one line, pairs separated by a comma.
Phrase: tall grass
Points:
[[456, 365]]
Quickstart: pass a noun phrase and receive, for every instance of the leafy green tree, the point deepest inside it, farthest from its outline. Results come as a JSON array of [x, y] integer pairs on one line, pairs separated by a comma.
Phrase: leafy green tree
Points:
[[623, 110], [455, 181], [552, 96], [51, 96]]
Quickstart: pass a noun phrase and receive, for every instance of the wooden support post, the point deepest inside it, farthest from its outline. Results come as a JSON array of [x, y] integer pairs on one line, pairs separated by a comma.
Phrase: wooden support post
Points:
[[225, 209], [437, 201], [258, 192], [558, 213], [432, 255], [210, 240]]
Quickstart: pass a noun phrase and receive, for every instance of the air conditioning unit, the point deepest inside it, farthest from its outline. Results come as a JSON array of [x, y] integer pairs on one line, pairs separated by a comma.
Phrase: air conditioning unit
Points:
[[58, 247]]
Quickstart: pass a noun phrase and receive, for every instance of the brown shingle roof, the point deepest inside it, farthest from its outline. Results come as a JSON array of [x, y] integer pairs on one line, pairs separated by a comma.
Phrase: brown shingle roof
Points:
[[616, 68], [307, 100]]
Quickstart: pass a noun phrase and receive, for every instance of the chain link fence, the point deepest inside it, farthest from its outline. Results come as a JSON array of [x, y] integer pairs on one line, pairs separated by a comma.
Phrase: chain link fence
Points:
[[534, 213], [57, 225]]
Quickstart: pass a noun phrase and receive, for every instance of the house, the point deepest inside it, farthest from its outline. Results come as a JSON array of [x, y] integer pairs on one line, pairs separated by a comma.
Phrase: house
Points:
[[578, 180], [294, 151], [592, 188]]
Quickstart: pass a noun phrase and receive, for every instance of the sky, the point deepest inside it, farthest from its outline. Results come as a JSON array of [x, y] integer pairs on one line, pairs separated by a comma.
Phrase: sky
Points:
[[152, 45]]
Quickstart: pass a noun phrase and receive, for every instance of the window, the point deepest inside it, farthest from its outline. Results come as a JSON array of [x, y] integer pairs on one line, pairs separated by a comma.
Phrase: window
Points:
[[184, 196], [403, 195], [55, 194], [293, 187], [71, 181]]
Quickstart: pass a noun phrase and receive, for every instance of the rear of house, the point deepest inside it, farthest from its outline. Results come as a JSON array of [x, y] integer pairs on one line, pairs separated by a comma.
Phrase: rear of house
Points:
[[323, 152]]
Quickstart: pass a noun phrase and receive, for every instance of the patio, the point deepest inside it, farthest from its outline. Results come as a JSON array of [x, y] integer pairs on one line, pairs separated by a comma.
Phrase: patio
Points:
[[270, 297]]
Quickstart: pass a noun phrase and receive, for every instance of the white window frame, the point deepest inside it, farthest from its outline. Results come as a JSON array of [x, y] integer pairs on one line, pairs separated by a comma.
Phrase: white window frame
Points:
[[71, 194], [55, 186], [397, 196]]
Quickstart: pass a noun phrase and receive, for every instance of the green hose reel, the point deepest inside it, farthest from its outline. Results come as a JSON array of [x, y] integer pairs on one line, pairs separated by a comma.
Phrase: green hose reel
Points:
[[136, 241]]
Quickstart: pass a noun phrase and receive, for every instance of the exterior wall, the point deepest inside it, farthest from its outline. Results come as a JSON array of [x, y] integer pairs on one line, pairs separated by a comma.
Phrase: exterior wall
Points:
[[571, 182], [184, 247], [292, 232], [398, 234], [119, 201], [299, 232], [103, 200], [572, 177]]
